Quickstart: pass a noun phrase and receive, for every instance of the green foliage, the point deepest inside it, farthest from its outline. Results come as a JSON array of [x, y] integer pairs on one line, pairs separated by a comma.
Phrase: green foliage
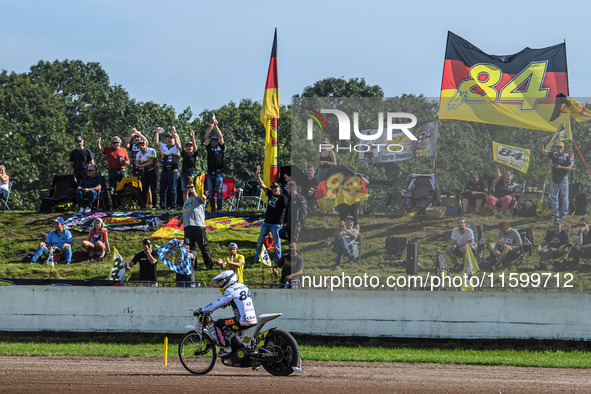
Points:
[[339, 87]]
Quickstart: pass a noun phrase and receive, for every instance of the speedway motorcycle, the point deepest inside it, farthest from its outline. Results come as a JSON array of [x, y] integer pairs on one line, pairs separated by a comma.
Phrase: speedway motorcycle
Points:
[[275, 350]]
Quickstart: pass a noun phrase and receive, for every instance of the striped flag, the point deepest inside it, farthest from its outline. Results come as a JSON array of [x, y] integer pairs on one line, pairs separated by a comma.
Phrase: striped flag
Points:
[[118, 269], [269, 115]]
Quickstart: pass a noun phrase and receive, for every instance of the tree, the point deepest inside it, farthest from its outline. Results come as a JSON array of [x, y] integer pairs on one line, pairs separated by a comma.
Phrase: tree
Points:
[[339, 87]]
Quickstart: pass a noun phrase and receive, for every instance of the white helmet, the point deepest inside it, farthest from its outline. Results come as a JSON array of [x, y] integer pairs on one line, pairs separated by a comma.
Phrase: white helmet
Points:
[[225, 279]]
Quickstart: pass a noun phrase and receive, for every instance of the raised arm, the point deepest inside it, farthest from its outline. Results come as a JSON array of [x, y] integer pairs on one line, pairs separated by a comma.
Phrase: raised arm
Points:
[[206, 138], [156, 142], [176, 138], [215, 122], [542, 148], [261, 182], [128, 140], [98, 145]]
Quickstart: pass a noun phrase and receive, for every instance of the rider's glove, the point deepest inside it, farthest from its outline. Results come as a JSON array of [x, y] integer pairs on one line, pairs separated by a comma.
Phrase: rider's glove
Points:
[[197, 312]]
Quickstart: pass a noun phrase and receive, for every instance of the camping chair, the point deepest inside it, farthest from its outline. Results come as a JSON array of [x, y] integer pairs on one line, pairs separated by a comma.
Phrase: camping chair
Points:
[[61, 191], [102, 199], [560, 259], [422, 192], [354, 251], [4, 201], [479, 247], [577, 199], [127, 193], [394, 250], [229, 199], [251, 192]]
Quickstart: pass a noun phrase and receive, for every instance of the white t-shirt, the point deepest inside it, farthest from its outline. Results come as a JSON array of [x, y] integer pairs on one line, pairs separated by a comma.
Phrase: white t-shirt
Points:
[[462, 239], [143, 157], [238, 295]]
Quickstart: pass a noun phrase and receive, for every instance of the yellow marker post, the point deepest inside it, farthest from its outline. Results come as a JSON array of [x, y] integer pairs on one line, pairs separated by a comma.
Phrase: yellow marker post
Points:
[[165, 351]]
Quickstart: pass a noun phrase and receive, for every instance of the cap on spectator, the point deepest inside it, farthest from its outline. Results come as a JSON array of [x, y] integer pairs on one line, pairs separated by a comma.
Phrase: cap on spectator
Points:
[[214, 137], [557, 221], [147, 241], [232, 245], [187, 242], [275, 184], [78, 139], [350, 217], [59, 219], [560, 144], [141, 142], [188, 143], [474, 173], [168, 135]]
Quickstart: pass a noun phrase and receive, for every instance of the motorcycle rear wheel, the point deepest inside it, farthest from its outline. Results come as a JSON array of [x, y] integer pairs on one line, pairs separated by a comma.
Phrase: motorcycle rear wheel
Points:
[[197, 356], [288, 351]]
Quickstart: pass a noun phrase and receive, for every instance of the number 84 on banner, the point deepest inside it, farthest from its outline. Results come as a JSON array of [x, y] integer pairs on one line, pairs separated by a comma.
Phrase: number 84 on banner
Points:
[[511, 156]]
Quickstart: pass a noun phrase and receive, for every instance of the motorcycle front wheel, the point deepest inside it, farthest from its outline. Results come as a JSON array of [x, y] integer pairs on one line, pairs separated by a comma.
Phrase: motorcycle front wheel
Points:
[[197, 356], [287, 353]]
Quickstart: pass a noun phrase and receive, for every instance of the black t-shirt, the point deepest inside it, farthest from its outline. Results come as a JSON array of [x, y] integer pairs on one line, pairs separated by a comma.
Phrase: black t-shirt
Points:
[[81, 159], [215, 158], [288, 266], [479, 186], [563, 160], [275, 207], [557, 240], [147, 269], [189, 161]]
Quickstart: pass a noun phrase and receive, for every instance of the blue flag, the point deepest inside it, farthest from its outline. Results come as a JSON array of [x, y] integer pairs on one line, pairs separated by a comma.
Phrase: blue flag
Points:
[[175, 256]]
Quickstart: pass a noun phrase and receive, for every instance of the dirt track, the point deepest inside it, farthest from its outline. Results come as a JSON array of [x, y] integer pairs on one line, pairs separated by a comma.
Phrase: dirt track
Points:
[[105, 374]]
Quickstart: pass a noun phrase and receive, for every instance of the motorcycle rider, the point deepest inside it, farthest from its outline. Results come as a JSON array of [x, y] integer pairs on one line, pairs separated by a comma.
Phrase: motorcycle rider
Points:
[[237, 295]]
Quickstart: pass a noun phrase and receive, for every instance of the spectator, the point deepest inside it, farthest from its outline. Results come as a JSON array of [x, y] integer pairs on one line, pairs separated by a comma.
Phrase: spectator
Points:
[[461, 237], [234, 262], [189, 166], [171, 155], [80, 159], [343, 237], [146, 162], [61, 242], [313, 182], [186, 243], [474, 193], [557, 240], [296, 212], [505, 192], [117, 159], [4, 185], [193, 217], [88, 187], [98, 239], [214, 178], [292, 267], [147, 259], [134, 148], [326, 160], [561, 165], [508, 242], [346, 210], [276, 206], [583, 246]]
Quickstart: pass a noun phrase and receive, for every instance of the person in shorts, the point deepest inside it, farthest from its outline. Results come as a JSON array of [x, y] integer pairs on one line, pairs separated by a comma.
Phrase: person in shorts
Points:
[[461, 237]]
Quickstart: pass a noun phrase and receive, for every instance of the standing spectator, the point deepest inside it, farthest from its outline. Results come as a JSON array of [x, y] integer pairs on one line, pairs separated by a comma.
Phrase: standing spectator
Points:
[[474, 193], [134, 148], [292, 267], [276, 206], [583, 246], [4, 179], [296, 212], [557, 240], [561, 165], [189, 166], [193, 217], [461, 237], [80, 159], [505, 191], [59, 239], [146, 162], [88, 187], [235, 262], [508, 242], [326, 160], [147, 259], [214, 178], [98, 239], [313, 182], [343, 238], [117, 159], [171, 156]]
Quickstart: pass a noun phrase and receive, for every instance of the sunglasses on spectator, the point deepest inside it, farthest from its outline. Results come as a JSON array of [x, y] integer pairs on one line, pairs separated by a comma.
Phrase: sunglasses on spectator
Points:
[[115, 142]]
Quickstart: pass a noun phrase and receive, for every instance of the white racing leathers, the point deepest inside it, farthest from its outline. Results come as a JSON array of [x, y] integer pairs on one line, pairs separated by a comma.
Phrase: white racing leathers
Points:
[[238, 296]]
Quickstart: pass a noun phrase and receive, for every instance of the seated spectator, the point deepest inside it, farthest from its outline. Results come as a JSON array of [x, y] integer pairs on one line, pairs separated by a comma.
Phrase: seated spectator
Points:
[[508, 242], [234, 262], [460, 237], [505, 192], [583, 246], [61, 242], [557, 240], [89, 187], [98, 239], [343, 237], [292, 267], [4, 179], [117, 159], [186, 243], [474, 193]]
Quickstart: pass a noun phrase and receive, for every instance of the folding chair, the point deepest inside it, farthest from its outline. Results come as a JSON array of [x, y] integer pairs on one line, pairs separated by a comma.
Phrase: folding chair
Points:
[[62, 191], [394, 250], [558, 259], [4, 201], [527, 246], [354, 251], [229, 198], [251, 192]]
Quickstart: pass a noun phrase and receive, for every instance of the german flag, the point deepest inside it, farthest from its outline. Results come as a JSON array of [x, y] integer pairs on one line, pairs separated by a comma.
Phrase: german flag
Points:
[[517, 90], [269, 116]]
